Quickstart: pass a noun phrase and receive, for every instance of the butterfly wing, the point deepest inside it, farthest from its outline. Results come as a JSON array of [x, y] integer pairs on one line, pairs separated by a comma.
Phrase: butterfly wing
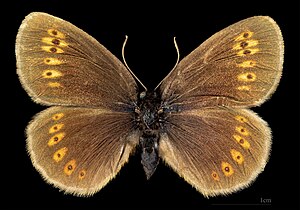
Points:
[[59, 64], [76, 149], [216, 150], [79, 150], [240, 66], [210, 139]]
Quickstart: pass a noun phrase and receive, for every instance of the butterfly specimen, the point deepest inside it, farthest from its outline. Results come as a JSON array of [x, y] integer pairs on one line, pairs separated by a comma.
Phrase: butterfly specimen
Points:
[[196, 121]]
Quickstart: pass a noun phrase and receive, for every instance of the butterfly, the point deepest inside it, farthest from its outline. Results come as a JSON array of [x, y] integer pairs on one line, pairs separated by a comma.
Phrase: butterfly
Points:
[[197, 120]]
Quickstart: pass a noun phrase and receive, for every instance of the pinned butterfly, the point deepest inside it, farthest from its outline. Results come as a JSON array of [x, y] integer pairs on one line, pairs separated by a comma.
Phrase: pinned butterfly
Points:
[[197, 120]]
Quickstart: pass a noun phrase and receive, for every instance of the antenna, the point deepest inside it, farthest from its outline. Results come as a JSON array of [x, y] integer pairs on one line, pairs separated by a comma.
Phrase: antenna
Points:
[[123, 56], [178, 56]]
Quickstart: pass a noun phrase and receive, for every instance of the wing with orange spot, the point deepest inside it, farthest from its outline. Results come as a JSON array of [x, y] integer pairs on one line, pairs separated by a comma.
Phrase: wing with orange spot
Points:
[[79, 150], [217, 150]]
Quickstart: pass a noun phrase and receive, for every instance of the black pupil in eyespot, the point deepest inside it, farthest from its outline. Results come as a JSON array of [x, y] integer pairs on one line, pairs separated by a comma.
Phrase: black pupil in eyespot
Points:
[[55, 41]]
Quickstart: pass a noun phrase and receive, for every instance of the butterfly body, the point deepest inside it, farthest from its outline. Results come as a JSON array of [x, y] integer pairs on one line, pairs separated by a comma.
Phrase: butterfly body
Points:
[[197, 120], [149, 117]]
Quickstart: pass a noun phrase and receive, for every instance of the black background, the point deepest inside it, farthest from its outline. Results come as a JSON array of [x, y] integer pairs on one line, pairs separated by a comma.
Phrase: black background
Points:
[[150, 53]]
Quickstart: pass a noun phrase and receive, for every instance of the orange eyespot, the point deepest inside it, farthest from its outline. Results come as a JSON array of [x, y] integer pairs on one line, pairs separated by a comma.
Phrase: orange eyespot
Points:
[[215, 176], [227, 169], [82, 174], [237, 156], [56, 139], [70, 167], [57, 116], [59, 154]]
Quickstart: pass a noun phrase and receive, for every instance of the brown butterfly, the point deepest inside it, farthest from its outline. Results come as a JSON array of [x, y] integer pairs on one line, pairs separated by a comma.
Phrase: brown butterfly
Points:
[[197, 119]]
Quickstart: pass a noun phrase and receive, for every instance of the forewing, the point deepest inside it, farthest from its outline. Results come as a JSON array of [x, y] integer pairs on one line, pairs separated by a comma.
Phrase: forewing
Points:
[[216, 150], [59, 64], [79, 150], [240, 66]]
